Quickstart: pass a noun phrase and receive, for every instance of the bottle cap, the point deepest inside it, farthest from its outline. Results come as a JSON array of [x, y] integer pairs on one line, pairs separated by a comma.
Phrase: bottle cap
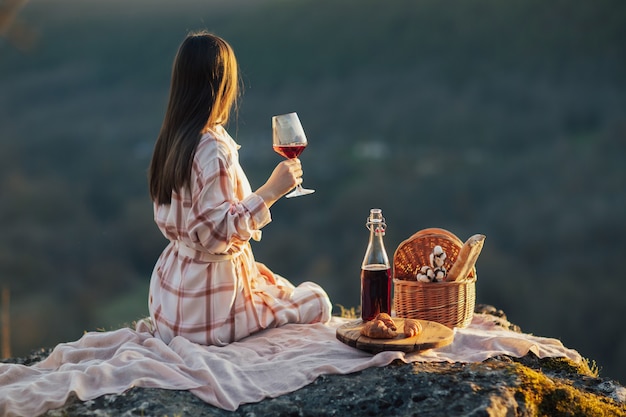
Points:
[[377, 221]]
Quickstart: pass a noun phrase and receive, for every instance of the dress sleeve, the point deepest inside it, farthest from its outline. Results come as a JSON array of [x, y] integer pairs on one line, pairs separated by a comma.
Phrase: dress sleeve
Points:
[[224, 213]]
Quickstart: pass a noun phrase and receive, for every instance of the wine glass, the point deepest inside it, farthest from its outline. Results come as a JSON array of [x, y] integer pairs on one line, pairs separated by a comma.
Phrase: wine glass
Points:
[[289, 141]]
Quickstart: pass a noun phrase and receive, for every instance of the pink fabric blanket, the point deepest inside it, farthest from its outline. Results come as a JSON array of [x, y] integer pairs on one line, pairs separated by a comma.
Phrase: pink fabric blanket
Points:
[[267, 364]]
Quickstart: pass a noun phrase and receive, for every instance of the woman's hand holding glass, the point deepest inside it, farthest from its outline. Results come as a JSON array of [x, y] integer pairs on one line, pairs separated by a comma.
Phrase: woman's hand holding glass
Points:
[[286, 176]]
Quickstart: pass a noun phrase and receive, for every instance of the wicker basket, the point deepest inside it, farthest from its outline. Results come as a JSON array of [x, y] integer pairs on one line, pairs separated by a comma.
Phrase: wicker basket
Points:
[[448, 303]]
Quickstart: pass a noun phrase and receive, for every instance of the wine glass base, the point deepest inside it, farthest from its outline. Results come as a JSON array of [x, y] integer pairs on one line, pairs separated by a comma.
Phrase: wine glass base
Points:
[[299, 191]]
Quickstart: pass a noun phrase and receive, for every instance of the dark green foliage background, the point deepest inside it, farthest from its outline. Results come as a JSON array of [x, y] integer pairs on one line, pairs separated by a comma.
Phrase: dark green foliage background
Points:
[[502, 118]]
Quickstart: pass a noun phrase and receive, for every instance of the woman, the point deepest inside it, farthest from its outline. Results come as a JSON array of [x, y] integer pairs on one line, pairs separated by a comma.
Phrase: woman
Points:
[[206, 285]]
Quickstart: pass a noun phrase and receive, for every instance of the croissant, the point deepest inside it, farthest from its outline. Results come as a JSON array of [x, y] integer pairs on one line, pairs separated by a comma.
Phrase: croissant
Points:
[[386, 318], [381, 327], [412, 327]]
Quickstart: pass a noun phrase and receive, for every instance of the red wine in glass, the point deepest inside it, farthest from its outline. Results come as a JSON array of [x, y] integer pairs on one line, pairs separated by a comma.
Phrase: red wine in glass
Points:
[[375, 291], [290, 151]]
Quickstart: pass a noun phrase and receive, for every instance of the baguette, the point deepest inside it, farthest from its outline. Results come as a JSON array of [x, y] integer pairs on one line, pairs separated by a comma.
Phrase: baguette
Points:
[[468, 255]]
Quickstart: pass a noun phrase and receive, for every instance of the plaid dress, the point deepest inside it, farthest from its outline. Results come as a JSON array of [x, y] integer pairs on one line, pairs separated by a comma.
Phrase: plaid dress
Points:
[[206, 285]]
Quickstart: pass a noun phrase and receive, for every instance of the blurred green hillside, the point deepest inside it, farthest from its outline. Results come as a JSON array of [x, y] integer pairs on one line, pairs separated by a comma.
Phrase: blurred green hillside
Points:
[[483, 116]]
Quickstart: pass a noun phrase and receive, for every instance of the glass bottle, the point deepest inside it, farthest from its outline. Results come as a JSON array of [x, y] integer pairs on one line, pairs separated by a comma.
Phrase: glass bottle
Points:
[[375, 270]]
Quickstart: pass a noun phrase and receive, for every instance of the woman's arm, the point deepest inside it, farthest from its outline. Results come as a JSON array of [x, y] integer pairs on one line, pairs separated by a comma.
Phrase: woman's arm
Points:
[[217, 219]]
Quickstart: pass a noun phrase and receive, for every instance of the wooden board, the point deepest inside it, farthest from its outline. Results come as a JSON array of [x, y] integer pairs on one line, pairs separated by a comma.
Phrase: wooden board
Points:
[[433, 335]]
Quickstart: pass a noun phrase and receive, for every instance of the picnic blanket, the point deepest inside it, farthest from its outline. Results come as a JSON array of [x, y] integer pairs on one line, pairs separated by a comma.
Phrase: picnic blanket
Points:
[[267, 364]]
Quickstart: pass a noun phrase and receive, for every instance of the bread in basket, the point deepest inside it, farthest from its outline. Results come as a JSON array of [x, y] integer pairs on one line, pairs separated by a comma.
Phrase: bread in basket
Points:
[[448, 303]]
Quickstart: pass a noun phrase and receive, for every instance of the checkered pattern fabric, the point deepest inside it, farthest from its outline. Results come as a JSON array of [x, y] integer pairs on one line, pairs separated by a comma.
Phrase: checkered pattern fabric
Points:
[[206, 285]]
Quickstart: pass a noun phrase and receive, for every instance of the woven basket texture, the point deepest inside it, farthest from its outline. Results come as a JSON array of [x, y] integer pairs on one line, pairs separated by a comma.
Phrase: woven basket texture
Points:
[[449, 303]]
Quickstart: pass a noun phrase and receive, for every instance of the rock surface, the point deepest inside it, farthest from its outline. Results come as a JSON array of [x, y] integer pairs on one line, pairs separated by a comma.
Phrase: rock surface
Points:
[[501, 386]]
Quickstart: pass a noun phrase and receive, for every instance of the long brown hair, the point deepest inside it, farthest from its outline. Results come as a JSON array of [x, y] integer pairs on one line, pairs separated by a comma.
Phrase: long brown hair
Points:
[[203, 90]]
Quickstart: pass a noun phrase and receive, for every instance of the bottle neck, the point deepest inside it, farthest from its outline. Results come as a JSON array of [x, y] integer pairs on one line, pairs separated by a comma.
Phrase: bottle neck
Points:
[[376, 253]]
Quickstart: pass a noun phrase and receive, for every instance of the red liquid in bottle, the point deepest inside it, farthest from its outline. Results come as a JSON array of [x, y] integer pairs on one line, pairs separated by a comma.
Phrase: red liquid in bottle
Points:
[[289, 151], [375, 291]]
